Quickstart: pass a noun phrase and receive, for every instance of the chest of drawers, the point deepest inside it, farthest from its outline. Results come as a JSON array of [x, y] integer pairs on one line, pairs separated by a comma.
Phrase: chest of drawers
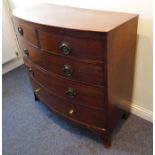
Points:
[[80, 62]]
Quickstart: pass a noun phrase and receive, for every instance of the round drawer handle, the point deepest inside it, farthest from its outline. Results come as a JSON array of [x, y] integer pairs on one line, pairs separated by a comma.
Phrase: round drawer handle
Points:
[[65, 47], [30, 71], [67, 69], [20, 30], [26, 52], [37, 90], [71, 112], [71, 92]]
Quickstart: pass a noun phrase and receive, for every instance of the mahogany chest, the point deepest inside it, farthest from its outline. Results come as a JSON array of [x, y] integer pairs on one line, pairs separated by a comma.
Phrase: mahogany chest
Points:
[[80, 62]]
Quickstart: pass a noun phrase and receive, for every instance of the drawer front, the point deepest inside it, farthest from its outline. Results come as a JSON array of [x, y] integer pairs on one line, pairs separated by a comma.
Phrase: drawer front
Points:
[[31, 53], [71, 111], [75, 70], [72, 91], [25, 31], [72, 46]]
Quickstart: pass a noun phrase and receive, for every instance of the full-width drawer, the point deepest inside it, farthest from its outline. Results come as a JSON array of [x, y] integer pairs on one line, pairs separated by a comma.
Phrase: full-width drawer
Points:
[[71, 111], [86, 95], [72, 45], [25, 30], [31, 53], [69, 68]]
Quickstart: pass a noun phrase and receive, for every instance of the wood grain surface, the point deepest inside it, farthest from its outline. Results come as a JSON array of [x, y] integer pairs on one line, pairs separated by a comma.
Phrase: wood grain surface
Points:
[[88, 85]]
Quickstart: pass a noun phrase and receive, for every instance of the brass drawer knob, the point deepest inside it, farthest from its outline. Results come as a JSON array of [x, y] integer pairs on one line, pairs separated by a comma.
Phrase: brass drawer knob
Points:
[[71, 92], [67, 69], [20, 30], [30, 70], [37, 90], [26, 52], [71, 112], [65, 47]]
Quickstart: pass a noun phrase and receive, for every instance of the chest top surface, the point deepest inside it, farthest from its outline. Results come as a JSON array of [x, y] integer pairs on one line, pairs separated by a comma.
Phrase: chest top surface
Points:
[[73, 18]]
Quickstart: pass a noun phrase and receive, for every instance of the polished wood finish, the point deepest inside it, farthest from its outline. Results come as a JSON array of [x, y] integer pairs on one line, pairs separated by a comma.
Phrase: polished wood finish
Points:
[[63, 107], [85, 72], [81, 68], [33, 53], [51, 41], [81, 71], [120, 67], [59, 86], [72, 17], [28, 34]]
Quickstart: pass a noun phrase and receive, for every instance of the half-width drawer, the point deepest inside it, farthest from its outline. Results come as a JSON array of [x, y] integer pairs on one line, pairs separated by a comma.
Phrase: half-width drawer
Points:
[[91, 96], [25, 30], [31, 53], [74, 112], [75, 70], [72, 45]]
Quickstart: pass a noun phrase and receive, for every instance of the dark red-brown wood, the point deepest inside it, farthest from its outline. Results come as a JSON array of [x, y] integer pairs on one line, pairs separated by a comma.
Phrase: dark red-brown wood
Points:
[[28, 32], [33, 53], [82, 48], [59, 86], [102, 59], [80, 114], [85, 72]]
